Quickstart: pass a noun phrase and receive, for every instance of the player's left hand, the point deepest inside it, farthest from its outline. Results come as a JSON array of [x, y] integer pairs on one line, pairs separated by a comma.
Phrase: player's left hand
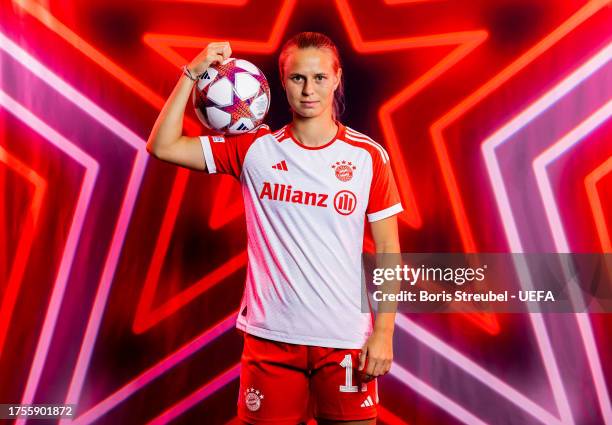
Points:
[[376, 355]]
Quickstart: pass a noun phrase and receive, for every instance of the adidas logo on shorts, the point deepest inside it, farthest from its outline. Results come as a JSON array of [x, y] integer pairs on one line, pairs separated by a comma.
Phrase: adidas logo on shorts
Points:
[[367, 402]]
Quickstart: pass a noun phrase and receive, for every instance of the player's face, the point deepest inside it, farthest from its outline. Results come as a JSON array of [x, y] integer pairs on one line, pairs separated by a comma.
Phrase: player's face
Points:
[[310, 81]]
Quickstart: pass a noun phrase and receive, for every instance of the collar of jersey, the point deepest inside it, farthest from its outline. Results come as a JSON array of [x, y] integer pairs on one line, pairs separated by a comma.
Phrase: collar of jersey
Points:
[[338, 135]]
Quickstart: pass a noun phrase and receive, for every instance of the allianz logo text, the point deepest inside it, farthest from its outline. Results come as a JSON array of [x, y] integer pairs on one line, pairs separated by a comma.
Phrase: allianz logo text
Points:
[[344, 201], [281, 192]]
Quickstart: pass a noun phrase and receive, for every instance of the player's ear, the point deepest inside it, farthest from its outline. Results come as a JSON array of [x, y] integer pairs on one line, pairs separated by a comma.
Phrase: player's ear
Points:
[[338, 78]]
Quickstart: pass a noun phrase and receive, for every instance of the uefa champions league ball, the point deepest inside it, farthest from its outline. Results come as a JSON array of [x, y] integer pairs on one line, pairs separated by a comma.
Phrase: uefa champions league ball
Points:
[[232, 97]]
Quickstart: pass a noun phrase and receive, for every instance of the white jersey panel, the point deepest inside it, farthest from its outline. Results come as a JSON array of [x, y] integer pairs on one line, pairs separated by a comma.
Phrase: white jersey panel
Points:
[[304, 275], [305, 212]]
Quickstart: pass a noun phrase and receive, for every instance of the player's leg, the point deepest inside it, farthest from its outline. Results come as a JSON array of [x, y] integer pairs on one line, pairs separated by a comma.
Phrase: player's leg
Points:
[[273, 382], [337, 390]]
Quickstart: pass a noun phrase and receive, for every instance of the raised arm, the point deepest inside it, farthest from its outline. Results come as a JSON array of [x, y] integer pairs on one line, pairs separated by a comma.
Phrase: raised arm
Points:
[[166, 141]]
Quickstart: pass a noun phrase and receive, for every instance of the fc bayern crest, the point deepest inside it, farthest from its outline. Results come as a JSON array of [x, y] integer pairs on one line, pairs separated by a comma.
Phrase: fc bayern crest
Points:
[[344, 170], [252, 399]]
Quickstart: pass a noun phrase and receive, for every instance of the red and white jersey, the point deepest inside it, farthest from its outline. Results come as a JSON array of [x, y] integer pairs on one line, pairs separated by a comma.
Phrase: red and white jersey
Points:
[[305, 209]]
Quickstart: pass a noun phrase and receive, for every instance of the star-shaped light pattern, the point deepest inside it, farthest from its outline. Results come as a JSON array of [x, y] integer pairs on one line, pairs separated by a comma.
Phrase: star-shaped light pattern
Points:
[[93, 117], [513, 397]]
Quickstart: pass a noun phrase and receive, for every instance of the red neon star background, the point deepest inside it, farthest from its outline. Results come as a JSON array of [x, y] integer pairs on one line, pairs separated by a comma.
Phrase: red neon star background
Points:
[[424, 78]]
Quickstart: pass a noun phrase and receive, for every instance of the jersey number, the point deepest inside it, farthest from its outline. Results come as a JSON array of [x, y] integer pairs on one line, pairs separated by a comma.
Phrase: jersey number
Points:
[[348, 386]]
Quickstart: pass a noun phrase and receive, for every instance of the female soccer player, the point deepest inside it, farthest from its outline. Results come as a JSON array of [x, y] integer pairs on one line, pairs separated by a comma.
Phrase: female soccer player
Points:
[[307, 189]]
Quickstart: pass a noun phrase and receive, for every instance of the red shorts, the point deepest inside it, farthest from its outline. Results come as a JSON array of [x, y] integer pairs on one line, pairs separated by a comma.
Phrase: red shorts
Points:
[[282, 383]]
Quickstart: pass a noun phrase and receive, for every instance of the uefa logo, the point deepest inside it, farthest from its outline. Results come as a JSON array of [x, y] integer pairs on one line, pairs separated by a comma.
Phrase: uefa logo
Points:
[[345, 202]]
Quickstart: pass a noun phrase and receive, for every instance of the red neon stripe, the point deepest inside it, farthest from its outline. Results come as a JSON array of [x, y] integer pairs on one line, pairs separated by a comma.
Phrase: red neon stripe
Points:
[[590, 183], [22, 252], [445, 121]]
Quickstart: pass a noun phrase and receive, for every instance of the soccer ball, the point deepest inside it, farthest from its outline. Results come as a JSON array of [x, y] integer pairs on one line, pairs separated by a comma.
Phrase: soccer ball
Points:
[[232, 98]]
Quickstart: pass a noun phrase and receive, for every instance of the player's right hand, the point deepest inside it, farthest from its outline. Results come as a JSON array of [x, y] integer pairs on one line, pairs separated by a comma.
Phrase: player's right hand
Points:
[[213, 53]]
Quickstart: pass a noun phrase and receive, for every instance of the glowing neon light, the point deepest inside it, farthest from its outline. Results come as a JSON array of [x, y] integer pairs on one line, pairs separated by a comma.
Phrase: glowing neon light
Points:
[[485, 90], [125, 213], [487, 378], [22, 252], [146, 377], [427, 391], [46, 18], [147, 317], [76, 227], [590, 183], [219, 2], [501, 196], [197, 396], [540, 165], [467, 41]]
